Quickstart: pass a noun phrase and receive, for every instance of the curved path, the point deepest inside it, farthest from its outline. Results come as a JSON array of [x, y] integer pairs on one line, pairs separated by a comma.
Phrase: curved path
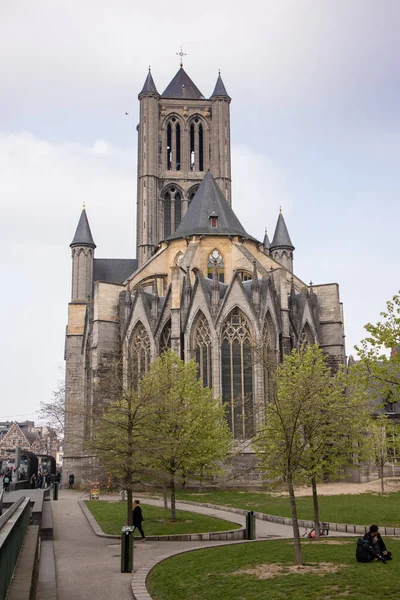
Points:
[[88, 566]]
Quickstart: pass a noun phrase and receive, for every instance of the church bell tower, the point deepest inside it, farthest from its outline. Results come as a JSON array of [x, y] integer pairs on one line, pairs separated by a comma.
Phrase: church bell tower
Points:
[[182, 135]]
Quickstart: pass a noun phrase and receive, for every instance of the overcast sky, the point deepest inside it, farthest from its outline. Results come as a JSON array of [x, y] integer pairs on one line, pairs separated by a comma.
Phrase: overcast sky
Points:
[[315, 128]]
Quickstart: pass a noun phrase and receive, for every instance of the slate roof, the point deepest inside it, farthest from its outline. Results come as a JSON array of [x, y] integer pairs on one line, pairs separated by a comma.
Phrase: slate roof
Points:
[[182, 87], [281, 235], [113, 270], [209, 200], [83, 235], [149, 85], [220, 89]]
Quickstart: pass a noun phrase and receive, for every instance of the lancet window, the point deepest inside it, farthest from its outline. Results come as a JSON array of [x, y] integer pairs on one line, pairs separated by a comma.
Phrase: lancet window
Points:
[[216, 259], [172, 211], [173, 145], [196, 145], [306, 337], [270, 359], [139, 353], [202, 350], [237, 374], [165, 337]]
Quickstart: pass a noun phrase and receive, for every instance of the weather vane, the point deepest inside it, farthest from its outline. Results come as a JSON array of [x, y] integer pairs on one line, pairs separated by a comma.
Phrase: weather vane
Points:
[[181, 54]]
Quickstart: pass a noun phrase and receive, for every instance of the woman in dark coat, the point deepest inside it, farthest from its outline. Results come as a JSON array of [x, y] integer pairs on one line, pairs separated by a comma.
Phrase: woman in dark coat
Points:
[[137, 519]]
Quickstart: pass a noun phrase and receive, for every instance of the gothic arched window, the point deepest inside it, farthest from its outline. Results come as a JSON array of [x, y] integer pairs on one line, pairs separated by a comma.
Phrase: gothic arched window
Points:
[[306, 337], [202, 350], [165, 338], [173, 145], [237, 374], [139, 353], [196, 145], [216, 259], [192, 194], [269, 357], [172, 201], [245, 275]]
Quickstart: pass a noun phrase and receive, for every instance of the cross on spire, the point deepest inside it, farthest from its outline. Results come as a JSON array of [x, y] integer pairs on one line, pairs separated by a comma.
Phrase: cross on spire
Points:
[[181, 54]]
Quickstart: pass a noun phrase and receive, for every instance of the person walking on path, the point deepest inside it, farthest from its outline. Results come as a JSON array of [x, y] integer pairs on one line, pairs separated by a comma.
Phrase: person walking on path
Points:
[[71, 481], [137, 519]]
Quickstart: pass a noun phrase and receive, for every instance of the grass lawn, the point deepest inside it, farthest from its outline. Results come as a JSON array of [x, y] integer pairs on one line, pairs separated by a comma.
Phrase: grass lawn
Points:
[[358, 509], [111, 516], [212, 573]]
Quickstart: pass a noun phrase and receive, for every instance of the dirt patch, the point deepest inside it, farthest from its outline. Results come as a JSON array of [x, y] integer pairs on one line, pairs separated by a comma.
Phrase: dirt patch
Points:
[[392, 484], [268, 571]]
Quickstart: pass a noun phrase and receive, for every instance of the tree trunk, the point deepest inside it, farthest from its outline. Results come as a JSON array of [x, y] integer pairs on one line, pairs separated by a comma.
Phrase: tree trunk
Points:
[[382, 482], [172, 487], [316, 508], [296, 534], [130, 505], [165, 495]]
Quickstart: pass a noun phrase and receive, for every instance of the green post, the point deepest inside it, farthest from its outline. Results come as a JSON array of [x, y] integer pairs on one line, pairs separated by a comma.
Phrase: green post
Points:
[[250, 525], [55, 490], [127, 549]]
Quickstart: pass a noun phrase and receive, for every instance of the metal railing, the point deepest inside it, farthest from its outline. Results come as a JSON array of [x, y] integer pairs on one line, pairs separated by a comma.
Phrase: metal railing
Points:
[[12, 534]]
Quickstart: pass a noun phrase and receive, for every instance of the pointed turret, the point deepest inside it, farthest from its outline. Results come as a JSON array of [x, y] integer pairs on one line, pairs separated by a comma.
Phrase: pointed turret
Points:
[[149, 85], [281, 248], [182, 86], [220, 89], [209, 214], [266, 243], [82, 260], [83, 235]]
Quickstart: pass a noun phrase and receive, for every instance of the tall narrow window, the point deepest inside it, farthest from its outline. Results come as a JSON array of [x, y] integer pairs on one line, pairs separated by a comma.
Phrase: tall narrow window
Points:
[[269, 357], [178, 147], [201, 148], [237, 374], [139, 354], [167, 215], [215, 258], [192, 149], [202, 350], [169, 147], [178, 210], [165, 338], [192, 194]]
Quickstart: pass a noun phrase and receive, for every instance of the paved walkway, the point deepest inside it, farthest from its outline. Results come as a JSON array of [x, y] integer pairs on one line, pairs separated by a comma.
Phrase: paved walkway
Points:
[[88, 566]]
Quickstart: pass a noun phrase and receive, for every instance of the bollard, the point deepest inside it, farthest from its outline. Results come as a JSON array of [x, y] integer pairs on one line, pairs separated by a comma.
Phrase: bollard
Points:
[[250, 526], [127, 549], [55, 490]]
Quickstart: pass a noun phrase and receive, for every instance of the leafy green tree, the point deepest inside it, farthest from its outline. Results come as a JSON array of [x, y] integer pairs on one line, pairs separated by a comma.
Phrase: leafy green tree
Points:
[[304, 437], [379, 366], [188, 434], [118, 439], [384, 443]]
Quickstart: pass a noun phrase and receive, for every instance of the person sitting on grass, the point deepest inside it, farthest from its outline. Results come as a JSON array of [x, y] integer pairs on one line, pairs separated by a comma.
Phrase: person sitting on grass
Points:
[[374, 539], [137, 519]]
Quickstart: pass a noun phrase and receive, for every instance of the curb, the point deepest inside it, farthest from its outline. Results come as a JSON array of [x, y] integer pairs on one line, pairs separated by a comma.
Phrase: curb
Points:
[[233, 535], [339, 527]]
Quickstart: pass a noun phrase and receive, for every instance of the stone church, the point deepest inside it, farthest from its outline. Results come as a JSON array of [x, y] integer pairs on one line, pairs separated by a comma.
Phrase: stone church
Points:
[[200, 284]]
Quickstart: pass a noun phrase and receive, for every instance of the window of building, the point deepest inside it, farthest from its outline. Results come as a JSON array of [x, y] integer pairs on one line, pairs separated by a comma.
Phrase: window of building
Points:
[[178, 210], [245, 275], [237, 374], [306, 337], [196, 145], [139, 353], [213, 221], [192, 194], [167, 215], [270, 361], [202, 350], [173, 145], [216, 259], [165, 338]]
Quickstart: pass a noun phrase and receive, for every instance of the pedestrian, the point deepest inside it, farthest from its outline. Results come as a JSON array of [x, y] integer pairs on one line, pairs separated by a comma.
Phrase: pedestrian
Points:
[[137, 519], [6, 482], [71, 481], [33, 481]]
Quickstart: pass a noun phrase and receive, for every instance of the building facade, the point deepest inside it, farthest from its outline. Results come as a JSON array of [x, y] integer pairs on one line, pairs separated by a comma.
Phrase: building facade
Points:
[[200, 285]]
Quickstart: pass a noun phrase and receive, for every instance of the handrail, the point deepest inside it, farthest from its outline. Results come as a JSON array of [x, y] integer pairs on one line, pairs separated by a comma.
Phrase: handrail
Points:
[[10, 511]]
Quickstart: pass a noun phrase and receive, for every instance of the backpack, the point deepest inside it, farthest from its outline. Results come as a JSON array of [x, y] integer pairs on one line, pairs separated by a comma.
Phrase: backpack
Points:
[[6, 480]]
